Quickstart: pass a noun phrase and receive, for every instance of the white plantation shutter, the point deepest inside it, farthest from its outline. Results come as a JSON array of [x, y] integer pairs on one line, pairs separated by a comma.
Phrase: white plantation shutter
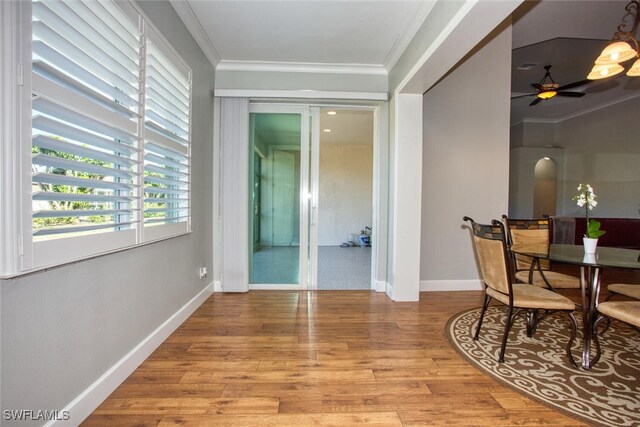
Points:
[[111, 131], [86, 84], [167, 140]]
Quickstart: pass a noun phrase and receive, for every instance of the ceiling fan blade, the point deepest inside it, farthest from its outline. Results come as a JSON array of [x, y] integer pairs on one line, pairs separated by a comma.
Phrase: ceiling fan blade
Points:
[[535, 101], [522, 96], [536, 86], [571, 94], [574, 84]]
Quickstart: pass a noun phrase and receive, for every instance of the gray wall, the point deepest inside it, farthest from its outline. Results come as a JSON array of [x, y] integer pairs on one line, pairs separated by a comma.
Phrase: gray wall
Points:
[[465, 157], [63, 328], [602, 148], [599, 148], [272, 80]]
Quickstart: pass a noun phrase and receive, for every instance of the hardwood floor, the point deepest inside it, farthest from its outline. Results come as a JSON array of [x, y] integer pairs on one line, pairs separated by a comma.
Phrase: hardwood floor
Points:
[[330, 358]]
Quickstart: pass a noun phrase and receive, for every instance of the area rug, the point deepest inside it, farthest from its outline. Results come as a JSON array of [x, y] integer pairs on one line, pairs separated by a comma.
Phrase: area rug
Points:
[[537, 367]]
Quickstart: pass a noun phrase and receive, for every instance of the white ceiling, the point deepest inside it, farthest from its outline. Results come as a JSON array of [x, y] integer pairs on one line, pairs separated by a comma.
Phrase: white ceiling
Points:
[[371, 35], [319, 32]]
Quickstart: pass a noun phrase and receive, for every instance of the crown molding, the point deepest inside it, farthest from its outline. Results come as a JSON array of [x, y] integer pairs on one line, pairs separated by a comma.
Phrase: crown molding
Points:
[[407, 35], [579, 113], [190, 20], [302, 67]]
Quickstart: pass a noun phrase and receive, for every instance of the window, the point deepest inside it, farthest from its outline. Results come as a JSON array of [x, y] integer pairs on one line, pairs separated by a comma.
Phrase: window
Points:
[[166, 148], [111, 131]]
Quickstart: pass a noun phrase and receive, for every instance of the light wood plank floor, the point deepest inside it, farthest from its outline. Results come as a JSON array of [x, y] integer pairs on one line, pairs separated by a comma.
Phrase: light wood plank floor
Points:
[[330, 358]]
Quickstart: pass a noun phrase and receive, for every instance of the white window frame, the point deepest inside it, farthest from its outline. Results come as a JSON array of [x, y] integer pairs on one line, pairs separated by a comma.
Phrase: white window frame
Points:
[[19, 253]]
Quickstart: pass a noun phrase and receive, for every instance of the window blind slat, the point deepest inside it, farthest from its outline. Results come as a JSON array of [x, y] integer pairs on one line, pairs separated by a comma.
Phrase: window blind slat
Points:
[[165, 133], [152, 158], [167, 172], [95, 32], [47, 124], [167, 80], [51, 108], [165, 181], [47, 178], [157, 86], [183, 218], [48, 143], [80, 213], [58, 162], [128, 45], [67, 230], [51, 196], [64, 46], [115, 20], [69, 32], [167, 124], [47, 71], [161, 200], [163, 107], [158, 143], [51, 55], [168, 191]]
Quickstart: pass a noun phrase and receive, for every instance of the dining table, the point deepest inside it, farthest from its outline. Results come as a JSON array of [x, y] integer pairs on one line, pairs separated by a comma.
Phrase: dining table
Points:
[[591, 266]]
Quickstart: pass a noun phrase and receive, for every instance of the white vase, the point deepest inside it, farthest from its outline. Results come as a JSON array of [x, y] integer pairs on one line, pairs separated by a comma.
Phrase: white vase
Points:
[[589, 245]]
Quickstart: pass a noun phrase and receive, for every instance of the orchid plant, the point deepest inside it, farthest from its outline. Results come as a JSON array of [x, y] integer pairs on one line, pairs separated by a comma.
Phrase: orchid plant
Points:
[[587, 198]]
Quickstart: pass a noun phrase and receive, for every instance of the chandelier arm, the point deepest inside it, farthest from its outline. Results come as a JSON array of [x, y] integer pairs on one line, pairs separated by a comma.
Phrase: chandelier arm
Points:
[[633, 11]]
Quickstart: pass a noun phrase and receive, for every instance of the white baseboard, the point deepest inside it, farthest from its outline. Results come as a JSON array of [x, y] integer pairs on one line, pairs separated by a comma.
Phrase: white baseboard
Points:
[[380, 286], [450, 285], [217, 286], [87, 401], [388, 289]]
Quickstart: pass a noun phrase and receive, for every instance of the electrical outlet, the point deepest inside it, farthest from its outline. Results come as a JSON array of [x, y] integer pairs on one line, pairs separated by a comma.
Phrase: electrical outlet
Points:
[[203, 272]]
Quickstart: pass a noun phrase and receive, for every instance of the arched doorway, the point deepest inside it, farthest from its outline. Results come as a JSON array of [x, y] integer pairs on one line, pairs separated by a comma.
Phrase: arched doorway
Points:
[[545, 184]]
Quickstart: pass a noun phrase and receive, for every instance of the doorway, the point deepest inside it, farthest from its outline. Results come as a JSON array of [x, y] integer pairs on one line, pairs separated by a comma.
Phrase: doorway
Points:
[[344, 179], [310, 198]]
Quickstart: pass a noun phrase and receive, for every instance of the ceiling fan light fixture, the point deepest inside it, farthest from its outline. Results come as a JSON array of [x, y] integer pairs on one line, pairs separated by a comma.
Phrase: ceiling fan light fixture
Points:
[[634, 71], [603, 71], [615, 53], [547, 94]]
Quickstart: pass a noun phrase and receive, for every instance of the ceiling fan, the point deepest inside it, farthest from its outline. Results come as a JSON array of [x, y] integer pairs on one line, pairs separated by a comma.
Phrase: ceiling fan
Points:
[[548, 88]]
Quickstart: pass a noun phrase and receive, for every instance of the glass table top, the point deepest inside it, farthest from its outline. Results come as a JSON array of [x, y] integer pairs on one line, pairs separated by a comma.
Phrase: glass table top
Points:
[[574, 254]]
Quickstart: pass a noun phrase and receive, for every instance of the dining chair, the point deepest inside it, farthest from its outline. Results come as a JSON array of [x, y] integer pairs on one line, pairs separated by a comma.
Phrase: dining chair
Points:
[[625, 311], [535, 232], [491, 249], [625, 289]]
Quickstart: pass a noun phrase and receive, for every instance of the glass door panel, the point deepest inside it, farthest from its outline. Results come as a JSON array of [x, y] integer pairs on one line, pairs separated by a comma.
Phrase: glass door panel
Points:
[[277, 176]]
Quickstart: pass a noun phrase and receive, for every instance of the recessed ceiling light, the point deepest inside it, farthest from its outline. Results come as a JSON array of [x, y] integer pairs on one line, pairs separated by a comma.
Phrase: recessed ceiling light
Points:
[[326, 130], [331, 113]]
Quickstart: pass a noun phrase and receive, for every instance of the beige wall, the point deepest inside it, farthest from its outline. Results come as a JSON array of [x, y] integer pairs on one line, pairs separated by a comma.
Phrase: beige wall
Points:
[[344, 199], [465, 159]]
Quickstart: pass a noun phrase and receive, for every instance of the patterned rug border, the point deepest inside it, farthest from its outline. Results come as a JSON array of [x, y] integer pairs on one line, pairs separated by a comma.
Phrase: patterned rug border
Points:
[[478, 366]]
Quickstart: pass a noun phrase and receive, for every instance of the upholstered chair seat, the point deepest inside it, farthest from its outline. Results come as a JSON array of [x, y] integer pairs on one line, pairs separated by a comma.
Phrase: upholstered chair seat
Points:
[[632, 291], [557, 280], [627, 311], [527, 296]]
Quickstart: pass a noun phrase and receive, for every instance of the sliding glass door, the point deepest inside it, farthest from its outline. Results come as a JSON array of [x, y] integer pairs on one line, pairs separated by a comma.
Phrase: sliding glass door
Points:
[[279, 196]]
